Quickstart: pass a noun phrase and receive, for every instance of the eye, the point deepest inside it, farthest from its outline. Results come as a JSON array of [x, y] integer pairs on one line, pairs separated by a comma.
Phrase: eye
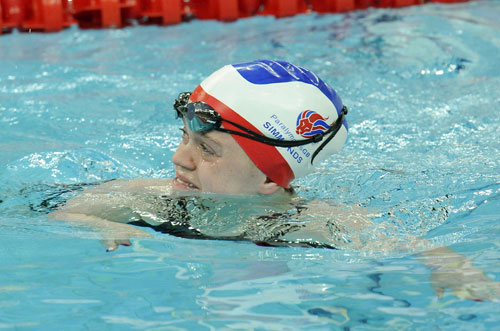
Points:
[[207, 150]]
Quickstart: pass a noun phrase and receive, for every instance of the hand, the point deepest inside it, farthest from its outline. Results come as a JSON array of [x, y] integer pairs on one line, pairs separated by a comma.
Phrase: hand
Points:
[[450, 270], [112, 234], [112, 244], [466, 282]]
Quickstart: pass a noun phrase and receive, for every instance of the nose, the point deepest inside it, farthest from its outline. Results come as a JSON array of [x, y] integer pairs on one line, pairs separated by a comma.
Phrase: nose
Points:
[[183, 156]]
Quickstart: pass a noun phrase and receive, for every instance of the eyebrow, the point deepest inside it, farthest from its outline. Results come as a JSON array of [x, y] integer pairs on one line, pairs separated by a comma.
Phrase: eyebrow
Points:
[[204, 135], [213, 140]]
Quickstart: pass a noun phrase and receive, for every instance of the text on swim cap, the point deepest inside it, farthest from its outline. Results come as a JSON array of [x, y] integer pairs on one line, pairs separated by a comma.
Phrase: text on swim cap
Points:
[[279, 124], [272, 130], [294, 154], [276, 128]]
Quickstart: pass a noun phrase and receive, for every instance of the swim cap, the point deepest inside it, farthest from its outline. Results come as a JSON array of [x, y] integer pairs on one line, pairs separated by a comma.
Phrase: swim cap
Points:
[[281, 101]]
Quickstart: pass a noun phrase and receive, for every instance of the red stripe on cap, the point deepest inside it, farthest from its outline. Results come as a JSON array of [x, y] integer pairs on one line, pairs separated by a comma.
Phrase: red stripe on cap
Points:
[[265, 157]]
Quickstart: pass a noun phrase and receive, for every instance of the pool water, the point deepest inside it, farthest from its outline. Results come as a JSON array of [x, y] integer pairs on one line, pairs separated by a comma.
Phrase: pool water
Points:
[[79, 107]]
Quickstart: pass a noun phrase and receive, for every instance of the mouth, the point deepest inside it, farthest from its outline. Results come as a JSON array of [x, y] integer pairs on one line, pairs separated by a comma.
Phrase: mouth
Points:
[[182, 183]]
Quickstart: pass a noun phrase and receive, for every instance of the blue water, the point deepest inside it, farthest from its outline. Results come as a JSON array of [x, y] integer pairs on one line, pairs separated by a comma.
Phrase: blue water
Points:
[[421, 84]]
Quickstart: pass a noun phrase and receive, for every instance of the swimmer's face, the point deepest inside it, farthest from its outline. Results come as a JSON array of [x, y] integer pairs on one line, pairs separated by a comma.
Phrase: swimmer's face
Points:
[[214, 162]]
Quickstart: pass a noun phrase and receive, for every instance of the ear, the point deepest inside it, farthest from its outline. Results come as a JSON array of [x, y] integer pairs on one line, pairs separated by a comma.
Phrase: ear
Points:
[[268, 187]]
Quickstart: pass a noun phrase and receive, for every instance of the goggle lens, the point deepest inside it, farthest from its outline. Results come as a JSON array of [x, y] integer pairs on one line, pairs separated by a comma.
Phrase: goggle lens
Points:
[[199, 116]]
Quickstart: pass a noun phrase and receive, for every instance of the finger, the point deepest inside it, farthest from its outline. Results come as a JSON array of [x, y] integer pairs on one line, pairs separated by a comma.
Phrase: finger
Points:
[[497, 290], [436, 285], [484, 291], [109, 245], [123, 242], [439, 291]]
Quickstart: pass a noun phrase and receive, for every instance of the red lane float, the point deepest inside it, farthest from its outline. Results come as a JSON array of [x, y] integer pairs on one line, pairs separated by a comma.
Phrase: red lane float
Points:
[[160, 11], [46, 15], [11, 14], [222, 10], [104, 13], [248, 7], [398, 3], [284, 8], [332, 6], [55, 15]]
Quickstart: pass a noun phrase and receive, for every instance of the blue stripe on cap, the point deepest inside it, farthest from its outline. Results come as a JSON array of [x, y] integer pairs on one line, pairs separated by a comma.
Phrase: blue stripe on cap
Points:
[[271, 72]]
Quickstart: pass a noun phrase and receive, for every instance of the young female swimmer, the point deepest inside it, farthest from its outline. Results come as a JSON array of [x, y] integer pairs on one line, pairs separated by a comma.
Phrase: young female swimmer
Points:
[[254, 144]]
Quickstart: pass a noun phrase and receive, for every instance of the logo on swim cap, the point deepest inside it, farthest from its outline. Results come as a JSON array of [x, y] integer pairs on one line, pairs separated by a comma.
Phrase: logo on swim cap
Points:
[[310, 123]]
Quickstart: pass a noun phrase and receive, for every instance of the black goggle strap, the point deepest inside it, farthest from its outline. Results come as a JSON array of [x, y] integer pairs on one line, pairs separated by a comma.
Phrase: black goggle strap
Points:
[[335, 128], [264, 139], [332, 131]]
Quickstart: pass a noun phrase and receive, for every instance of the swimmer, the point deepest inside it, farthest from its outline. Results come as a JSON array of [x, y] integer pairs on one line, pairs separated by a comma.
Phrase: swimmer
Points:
[[248, 130]]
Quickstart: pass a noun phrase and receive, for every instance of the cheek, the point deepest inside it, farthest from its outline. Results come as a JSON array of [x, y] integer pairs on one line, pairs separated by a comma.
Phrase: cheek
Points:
[[210, 175], [226, 177]]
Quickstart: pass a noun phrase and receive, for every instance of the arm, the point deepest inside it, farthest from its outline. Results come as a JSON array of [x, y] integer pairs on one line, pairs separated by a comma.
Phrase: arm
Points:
[[449, 269], [107, 207], [456, 272]]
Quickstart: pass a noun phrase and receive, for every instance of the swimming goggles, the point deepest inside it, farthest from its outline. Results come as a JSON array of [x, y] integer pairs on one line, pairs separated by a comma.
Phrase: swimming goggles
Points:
[[201, 117]]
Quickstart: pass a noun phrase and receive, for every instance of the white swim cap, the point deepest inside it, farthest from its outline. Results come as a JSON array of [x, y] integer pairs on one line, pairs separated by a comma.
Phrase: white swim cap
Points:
[[281, 101]]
